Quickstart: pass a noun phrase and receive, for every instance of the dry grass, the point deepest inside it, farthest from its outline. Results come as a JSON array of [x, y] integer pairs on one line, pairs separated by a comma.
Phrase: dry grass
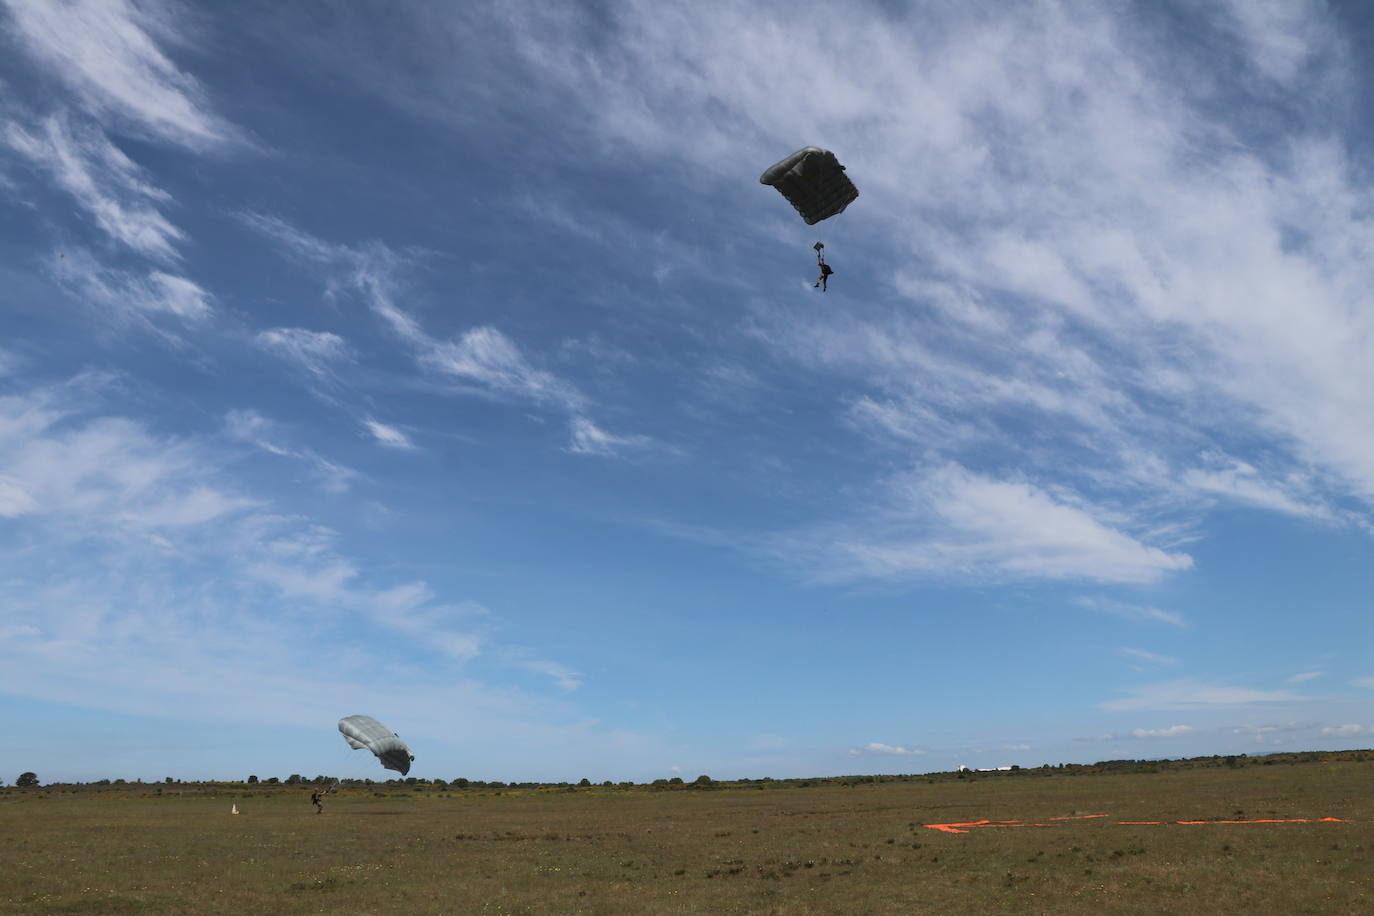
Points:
[[823, 849]]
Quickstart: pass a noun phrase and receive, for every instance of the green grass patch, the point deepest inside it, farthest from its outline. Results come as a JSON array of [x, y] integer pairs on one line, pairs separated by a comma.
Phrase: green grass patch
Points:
[[855, 847]]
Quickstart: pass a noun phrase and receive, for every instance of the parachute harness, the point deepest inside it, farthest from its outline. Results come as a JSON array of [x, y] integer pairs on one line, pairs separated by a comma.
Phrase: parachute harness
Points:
[[823, 280]]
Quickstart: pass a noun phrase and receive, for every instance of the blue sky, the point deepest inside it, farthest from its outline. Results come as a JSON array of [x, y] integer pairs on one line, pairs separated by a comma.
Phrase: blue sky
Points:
[[448, 364]]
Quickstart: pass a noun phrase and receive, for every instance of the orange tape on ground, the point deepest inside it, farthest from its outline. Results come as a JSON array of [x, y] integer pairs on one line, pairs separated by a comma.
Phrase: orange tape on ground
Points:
[[968, 826]]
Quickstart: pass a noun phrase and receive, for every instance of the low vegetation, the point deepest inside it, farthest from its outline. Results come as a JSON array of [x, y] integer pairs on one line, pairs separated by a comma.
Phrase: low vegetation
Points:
[[843, 845]]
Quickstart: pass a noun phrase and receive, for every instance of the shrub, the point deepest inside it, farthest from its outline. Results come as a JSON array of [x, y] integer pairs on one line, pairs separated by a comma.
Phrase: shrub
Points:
[[27, 780]]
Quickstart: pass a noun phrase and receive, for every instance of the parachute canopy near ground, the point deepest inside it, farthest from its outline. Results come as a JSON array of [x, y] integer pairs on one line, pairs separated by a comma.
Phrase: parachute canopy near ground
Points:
[[814, 182], [366, 733]]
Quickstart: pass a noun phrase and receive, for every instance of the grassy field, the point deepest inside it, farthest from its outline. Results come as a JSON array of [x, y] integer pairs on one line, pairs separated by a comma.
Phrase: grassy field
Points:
[[819, 849]]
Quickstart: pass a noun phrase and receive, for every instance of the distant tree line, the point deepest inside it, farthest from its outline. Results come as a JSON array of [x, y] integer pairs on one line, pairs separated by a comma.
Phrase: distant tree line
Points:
[[29, 780]]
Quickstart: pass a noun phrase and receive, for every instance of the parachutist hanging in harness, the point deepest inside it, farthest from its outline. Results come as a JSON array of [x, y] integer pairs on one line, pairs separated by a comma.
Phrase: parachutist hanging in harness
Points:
[[815, 184], [823, 281]]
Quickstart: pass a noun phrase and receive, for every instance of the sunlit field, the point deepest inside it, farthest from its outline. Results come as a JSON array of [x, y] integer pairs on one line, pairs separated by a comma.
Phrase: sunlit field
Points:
[[826, 847]]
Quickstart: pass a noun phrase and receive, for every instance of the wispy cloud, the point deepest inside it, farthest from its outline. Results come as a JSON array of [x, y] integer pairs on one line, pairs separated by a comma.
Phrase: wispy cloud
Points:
[[483, 358], [954, 521], [1281, 39], [389, 436], [14, 499], [104, 182], [1150, 657], [1343, 731], [109, 474], [1241, 482], [886, 750], [1305, 676], [1189, 694], [1173, 731], [1129, 611], [590, 439], [1269, 733], [566, 678], [107, 52], [159, 302], [314, 351], [163, 576], [489, 358], [9, 362], [252, 427]]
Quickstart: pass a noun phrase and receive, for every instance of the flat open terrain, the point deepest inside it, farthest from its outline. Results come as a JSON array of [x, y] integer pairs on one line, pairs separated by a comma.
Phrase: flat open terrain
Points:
[[819, 849]]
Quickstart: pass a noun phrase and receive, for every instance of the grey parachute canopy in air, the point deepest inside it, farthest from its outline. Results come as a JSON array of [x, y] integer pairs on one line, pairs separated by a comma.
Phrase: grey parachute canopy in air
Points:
[[366, 733], [814, 182]]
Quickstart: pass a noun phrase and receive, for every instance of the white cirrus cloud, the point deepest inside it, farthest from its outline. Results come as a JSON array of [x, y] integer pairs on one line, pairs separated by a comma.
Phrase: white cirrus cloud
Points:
[[1150, 657], [1305, 676], [14, 499], [178, 295], [1280, 38], [104, 182], [107, 474], [1241, 482], [161, 576], [483, 358], [9, 362], [107, 52], [1130, 611], [488, 357], [314, 351], [1343, 731], [1173, 731], [389, 436], [1187, 694], [889, 750], [566, 678], [252, 427], [590, 439], [128, 298], [951, 520]]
